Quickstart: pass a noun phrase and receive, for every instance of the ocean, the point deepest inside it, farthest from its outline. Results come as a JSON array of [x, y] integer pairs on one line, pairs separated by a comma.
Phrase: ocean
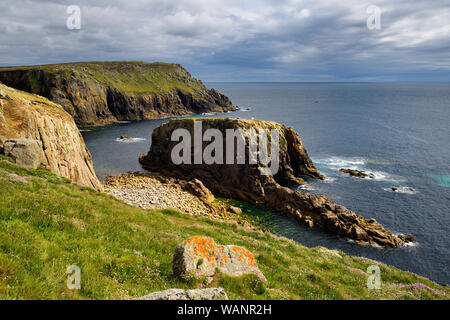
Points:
[[400, 132]]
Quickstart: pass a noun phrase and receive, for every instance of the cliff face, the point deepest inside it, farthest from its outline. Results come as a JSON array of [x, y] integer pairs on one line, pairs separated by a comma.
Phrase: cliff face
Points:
[[105, 92], [245, 181], [24, 115]]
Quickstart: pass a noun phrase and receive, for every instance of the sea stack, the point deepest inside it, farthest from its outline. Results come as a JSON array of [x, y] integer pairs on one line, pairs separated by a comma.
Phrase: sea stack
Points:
[[247, 182]]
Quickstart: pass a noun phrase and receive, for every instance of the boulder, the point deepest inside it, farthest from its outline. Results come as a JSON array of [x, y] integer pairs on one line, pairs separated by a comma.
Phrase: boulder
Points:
[[180, 294], [2, 143], [235, 210], [18, 178], [200, 256], [27, 153]]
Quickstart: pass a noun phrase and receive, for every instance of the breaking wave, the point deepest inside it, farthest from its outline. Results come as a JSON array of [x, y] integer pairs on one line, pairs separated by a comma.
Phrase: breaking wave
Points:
[[356, 163]]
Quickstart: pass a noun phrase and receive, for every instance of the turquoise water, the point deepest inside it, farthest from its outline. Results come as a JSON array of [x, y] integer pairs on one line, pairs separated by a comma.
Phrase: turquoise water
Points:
[[443, 179], [399, 132]]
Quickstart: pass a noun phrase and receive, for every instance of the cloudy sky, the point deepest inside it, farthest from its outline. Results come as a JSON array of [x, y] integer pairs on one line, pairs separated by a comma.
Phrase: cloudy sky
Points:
[[240, 40]]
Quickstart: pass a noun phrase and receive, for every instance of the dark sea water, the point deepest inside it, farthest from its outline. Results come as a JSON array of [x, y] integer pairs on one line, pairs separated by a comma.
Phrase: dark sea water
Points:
[[399, 132]]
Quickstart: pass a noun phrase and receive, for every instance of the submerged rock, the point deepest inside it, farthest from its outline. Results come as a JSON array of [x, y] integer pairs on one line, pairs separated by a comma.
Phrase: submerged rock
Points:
[[200, 256], [357, 173], [128, 138], [403, 190], [180, 294], [249, 183]]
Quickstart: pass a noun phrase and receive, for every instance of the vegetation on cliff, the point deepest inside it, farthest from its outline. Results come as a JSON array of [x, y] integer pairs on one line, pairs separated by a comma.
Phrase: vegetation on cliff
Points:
[[46, 224], [105, 92], [128, 76]]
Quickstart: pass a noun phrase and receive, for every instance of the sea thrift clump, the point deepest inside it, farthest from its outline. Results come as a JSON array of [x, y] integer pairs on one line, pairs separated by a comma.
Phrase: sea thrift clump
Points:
[[418, 286]]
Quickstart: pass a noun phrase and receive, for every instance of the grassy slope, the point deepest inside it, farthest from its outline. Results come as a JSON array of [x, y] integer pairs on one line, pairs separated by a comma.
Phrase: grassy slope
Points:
[[7, 92], [126, 76], [124, 252]]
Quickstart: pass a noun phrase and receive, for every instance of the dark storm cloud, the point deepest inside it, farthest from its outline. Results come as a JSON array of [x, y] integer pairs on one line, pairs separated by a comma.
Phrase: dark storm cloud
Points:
[[232, 40]]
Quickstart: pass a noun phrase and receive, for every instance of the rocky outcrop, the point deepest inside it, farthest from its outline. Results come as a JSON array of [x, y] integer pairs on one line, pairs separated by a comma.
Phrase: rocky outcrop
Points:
[[200, 256], [357, 173], [246, 181], [105, 92], [180, 294], [56, 143]]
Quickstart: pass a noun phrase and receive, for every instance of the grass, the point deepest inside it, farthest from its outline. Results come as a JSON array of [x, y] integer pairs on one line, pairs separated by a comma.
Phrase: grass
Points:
[[11, 93], [47, 223], [126, 76]]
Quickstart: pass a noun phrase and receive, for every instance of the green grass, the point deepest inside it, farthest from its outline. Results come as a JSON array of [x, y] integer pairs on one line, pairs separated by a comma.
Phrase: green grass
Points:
[[126, 76], [48, 223], [11, 93]]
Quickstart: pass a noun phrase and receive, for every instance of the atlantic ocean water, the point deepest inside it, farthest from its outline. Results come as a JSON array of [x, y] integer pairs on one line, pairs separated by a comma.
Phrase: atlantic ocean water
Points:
[[400, 132]]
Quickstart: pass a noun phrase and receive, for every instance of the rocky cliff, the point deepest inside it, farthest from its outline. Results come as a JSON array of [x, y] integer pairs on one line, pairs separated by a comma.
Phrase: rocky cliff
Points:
[[105, 92], [246, 181], [24, 115]]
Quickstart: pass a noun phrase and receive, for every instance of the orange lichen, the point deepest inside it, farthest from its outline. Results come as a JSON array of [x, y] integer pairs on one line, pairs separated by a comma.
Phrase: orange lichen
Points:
[[218, 257], [203, 248], [244, 256]]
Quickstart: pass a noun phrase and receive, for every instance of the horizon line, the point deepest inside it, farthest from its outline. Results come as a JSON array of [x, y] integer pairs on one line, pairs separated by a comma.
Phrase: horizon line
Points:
[[325, 82]]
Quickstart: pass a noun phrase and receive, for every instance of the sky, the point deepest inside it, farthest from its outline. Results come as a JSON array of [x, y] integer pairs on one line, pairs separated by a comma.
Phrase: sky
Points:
[[242, 40]]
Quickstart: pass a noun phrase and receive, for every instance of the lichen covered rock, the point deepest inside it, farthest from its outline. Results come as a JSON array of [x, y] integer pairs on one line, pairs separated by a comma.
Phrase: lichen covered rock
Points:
[[200, 256]]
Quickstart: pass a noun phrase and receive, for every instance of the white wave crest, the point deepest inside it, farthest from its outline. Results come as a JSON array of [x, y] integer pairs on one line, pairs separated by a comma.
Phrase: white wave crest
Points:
[[130, 140], [338, 162], [357, 163]]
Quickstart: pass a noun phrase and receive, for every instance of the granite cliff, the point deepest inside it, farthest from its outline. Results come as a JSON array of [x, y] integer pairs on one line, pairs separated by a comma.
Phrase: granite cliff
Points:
[[61, 146], [245, 181], [105, 92]]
